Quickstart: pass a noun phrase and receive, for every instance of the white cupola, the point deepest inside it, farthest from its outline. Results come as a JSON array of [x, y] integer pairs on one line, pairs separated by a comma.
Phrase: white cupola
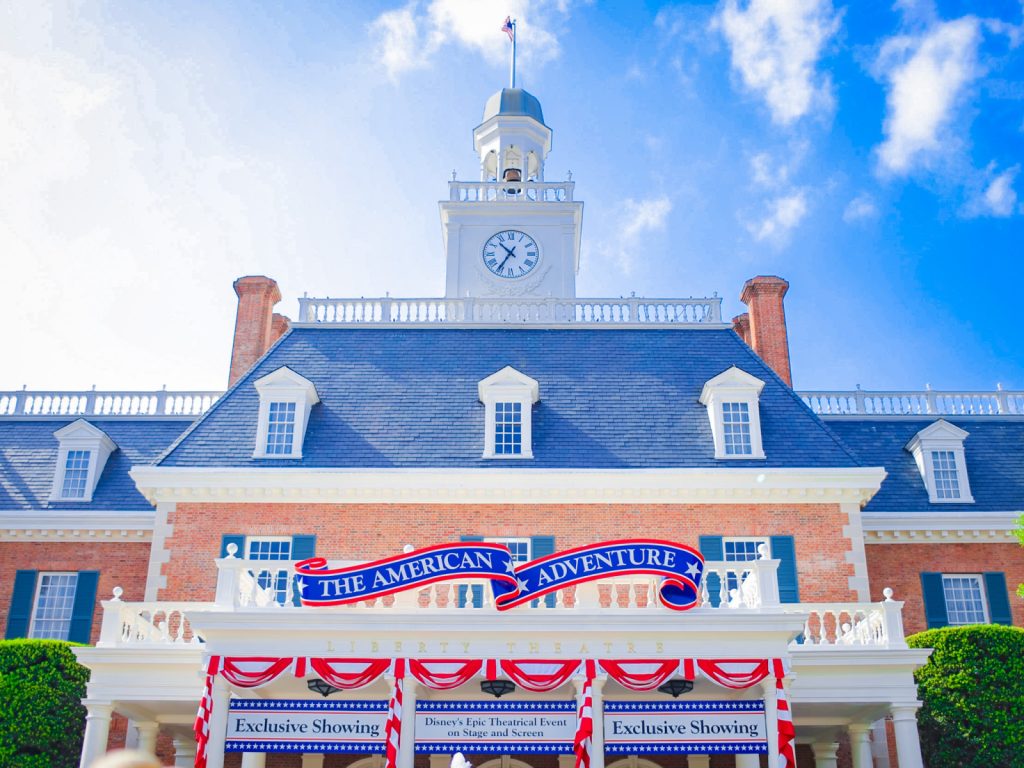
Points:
[[512, 141]]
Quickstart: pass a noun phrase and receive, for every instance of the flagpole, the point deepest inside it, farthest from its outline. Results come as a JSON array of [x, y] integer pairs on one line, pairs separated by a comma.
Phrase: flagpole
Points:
[[513, 53]]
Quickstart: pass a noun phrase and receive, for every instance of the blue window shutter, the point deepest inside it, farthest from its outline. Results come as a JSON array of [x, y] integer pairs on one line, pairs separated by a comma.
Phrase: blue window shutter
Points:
[[712, 549], [998, 598], [303, 548], [232, 538], [21, 604], [478, 590], [934, 600], [82, 609], [542, 546], [784, 550]]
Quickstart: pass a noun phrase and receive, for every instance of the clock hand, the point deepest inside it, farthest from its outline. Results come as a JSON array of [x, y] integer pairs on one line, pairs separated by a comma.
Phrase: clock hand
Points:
[[510, 253], [503, 263]]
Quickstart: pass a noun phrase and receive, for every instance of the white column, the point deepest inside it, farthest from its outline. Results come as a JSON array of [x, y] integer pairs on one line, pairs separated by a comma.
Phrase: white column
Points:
[[860, 745], [312, 760], [218, 723], [97, 731], [825, 754], [147, 735], [908, 742], [597, 713], [699, 761], [880, 744], [254, 759], [407, 734], [771, 718], [748, 761], [184, 751]]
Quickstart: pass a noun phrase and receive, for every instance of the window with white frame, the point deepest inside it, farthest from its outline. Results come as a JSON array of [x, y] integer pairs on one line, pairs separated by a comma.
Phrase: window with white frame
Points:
[[965, 598], [271, 548], [733, 402], [53, 606], [76, 474], [508, 397], [286, 399], [520, 548], [82, 453], [742, 550], [938, 451]]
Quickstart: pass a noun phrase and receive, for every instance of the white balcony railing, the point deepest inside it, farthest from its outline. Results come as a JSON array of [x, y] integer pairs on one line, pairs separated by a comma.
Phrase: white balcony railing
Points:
[[924, 403], [852, 624], [150, 623], [595, 312], [510, 191], [91, 403]]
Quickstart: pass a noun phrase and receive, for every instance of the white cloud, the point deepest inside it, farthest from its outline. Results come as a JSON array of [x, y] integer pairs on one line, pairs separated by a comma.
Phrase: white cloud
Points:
[[785, 213], [996, 195], [637, 218], [860, 208], [775, 46], [409, 37], [928, 75]]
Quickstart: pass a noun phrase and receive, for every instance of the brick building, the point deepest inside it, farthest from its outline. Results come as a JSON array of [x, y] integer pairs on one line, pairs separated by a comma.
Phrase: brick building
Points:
[[512, 418]]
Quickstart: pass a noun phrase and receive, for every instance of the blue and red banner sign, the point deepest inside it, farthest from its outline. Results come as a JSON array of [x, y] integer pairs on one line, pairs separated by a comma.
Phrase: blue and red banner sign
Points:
[[679, 566]]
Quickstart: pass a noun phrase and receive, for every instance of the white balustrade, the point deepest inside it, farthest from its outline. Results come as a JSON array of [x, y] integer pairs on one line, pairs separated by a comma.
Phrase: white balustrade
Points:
[[629, 311], [160, 623], [851, 624], [93, 403], [511, 191], [922, 403]]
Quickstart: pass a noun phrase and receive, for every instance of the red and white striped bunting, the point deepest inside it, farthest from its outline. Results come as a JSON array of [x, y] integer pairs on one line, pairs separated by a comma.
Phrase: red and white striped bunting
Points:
[[583, 743], [393, 725]]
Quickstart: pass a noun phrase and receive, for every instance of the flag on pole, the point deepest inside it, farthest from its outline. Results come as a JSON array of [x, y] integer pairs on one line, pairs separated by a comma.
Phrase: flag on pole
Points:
[[508, 28]]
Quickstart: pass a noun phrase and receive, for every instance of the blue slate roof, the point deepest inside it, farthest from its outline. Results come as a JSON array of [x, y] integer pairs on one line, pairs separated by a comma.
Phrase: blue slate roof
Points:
[[28, 455], [407, 398], [994, 451]]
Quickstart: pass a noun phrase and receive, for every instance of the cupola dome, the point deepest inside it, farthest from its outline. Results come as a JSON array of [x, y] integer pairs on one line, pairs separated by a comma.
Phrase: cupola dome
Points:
[[513, 102]]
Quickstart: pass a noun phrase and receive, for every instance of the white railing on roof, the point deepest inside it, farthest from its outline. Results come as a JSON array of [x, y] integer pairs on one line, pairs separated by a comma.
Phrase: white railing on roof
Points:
[[601, 312], [510, 191], [924, 403], [91, 403]]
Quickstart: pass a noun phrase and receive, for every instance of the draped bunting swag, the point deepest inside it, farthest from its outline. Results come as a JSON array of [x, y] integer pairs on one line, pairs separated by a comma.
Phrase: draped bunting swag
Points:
[[534, 675]]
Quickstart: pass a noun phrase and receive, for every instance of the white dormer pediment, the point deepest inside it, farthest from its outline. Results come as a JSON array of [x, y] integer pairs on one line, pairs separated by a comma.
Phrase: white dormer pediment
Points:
[[88, 448], [286, 399], [508, 383], [732, 380], [938, 432]]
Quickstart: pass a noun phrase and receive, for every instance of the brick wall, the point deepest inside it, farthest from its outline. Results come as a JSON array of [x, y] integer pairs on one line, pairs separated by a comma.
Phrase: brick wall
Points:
[[368, 531], [120, 565], [900, 566]]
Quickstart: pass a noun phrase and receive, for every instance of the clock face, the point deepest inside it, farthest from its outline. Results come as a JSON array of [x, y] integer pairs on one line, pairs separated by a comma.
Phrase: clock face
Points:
[[511, 254]]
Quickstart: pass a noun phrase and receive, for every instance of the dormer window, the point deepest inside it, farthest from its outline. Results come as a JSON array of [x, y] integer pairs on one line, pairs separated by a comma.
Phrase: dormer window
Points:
[[286, 399], [82, 454], [938, 451], [732, 400], [508, 397]]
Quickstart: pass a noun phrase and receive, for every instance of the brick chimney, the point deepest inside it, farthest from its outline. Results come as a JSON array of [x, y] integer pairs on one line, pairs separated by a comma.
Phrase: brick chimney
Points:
[[279, 325], [767, 317], [741, 324], [254, 325]]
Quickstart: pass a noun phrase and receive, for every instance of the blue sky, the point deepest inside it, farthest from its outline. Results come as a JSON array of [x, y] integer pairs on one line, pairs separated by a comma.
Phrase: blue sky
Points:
[[870, 153]]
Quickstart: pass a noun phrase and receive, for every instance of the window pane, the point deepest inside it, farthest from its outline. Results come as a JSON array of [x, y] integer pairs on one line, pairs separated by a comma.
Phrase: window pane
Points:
[[76, 473], [508, 429], [736, 429], [55, 598], [271, 549], [947, 483], [740, 551], [965, 602], [281, 428]]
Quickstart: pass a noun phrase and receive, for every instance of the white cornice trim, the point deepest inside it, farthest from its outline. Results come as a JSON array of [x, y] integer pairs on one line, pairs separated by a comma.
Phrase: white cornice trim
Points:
[[939, 527], [76, 526], [523, 485]]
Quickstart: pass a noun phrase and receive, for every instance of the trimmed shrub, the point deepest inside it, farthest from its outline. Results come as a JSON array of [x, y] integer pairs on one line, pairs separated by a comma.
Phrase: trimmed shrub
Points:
[[41, 715], [972, 689]]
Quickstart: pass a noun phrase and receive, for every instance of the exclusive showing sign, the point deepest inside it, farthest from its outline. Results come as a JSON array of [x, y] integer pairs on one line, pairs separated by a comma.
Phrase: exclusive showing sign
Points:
[[702, 727], [304, 725], [501, 727]]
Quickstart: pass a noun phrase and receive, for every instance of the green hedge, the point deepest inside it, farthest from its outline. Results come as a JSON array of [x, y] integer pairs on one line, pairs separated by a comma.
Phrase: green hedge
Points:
[[41, 715], [972, 689]]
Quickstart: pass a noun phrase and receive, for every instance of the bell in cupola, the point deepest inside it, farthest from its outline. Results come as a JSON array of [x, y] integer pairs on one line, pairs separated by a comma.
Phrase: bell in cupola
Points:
[[513, 174]]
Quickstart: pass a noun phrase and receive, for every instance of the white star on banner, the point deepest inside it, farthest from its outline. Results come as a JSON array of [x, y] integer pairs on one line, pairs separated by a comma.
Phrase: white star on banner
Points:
[[693, 569]]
